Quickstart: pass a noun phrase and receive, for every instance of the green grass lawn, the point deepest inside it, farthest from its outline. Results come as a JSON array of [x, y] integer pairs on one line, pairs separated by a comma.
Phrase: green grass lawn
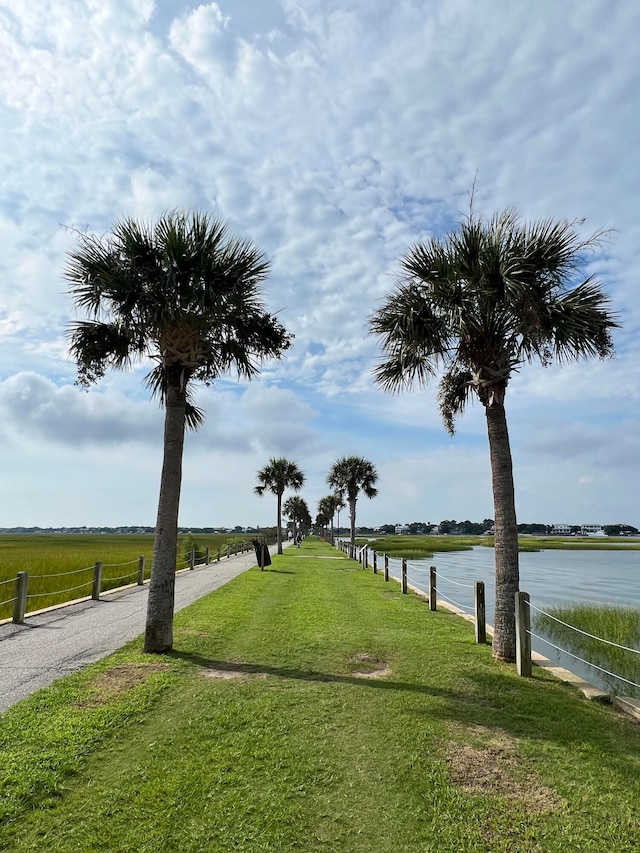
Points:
[[312, 707]]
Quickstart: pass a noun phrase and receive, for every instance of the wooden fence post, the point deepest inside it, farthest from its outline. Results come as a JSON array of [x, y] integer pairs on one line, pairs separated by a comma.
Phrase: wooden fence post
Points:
[[432, 588], [218, 553], [20, 600], [141, 570], [206, 556], [97, 581], [365, 557], [480, 612], [386, 567], [404, 576], [523, 635], [375, 562], [192, 559]]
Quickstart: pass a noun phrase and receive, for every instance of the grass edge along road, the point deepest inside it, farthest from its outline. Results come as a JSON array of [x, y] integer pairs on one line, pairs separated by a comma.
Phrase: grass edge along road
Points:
[[314, 707]]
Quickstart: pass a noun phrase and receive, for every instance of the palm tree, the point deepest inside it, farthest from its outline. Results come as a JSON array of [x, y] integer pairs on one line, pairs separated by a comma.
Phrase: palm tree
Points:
[[349, 476], [322, 522], [275, 477], [297, 510], [328, 506], [476, 305], [185, 294]]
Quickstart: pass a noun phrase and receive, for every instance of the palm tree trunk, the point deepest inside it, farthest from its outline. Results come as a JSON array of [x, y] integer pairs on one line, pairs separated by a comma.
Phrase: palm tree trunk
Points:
[[159, 628], [506, 533], [352, 516], [279, 530]]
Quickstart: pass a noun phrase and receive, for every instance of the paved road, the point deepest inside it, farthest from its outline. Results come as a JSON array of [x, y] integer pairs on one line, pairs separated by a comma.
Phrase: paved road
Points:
[[58, 642]]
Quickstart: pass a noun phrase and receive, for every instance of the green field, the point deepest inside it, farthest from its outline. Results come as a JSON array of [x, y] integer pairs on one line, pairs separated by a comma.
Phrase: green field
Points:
[[313, 707], [61, 565]]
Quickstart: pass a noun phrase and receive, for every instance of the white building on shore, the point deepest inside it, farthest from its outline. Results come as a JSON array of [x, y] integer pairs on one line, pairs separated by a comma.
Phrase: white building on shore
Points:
[[592, 530]]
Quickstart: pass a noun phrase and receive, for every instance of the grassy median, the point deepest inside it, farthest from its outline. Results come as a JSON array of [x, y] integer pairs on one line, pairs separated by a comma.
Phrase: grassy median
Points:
[[312, 707]]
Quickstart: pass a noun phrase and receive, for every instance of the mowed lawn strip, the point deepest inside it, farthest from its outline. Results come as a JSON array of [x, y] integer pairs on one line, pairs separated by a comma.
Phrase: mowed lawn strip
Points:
[[313, 707]]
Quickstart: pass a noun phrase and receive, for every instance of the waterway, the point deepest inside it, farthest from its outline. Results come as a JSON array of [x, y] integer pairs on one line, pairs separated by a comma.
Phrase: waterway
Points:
[[550, 577]]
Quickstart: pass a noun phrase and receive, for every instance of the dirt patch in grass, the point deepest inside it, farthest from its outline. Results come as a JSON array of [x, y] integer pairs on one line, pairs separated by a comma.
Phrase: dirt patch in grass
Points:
[[490, 766], [367, 665], [223, 673], [118, 680], [231, 671]]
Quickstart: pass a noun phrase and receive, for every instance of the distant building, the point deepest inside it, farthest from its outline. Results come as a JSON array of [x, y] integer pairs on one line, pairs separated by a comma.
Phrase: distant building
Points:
[[592, 530], [402, 529], [560, 529]]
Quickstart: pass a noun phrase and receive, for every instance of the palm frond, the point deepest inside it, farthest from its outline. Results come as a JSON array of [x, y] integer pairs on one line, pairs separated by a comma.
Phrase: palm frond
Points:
[[182, 291], [350, 474], [484, 299], [454, 392], [97, 346], [279, 474]]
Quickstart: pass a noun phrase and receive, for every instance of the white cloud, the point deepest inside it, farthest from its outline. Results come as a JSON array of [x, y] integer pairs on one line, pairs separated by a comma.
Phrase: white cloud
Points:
[[334, 134]]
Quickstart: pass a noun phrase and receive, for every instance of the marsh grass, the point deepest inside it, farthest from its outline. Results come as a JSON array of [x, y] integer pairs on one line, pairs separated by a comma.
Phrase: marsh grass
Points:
[[615, 624], [256, 735], [61, 565], [416, 547]]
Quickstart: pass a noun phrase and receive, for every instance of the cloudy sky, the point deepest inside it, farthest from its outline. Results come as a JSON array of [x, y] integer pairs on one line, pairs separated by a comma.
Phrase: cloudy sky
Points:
[[334, 134]]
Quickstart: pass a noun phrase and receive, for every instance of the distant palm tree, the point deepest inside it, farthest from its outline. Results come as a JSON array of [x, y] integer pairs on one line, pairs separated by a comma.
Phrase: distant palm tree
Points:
[[185, 294], [350, 476], [322, 522], [477, 305], [275, 477], [297, 510], [328, 506]]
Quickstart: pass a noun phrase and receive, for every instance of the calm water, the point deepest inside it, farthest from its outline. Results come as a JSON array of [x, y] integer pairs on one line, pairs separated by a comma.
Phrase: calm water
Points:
[[550, 577]]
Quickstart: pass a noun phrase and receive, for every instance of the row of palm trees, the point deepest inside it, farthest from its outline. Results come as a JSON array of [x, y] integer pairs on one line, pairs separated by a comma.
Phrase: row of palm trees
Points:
[[470, 308], [348, 477]]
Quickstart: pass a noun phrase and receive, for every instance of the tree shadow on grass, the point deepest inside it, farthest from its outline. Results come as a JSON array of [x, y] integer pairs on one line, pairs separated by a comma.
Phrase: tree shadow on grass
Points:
[[303, 674], [270, 571], [492, 699]]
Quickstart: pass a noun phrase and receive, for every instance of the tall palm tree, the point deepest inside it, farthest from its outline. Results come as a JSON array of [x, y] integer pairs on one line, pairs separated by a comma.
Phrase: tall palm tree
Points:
[[185, 294], [275, 477], [476, 305], [297, 510], [350, 476], [328, 506]]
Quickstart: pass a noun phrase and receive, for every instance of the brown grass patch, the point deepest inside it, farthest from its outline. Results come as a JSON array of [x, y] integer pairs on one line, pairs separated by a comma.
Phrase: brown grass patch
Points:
[[368, 666], [117, 680], [491, 766], [230, 671]]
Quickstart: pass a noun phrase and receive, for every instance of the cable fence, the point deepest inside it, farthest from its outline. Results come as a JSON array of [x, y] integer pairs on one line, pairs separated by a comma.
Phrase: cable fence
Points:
[[615, 662], [33, 592]]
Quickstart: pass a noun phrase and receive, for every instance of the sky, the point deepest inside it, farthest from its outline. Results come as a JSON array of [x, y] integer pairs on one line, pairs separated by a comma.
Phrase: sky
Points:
[[334, 134]]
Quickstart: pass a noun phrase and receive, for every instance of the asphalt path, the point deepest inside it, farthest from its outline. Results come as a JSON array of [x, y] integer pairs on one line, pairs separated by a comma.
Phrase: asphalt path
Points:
[[61, 640]]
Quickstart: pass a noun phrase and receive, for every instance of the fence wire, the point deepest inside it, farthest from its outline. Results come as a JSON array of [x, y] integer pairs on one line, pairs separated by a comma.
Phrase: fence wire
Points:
[[61, 574], [582, 660], [456, 583], [444, 597], [59, 591], [120, 578], [584, 633]]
